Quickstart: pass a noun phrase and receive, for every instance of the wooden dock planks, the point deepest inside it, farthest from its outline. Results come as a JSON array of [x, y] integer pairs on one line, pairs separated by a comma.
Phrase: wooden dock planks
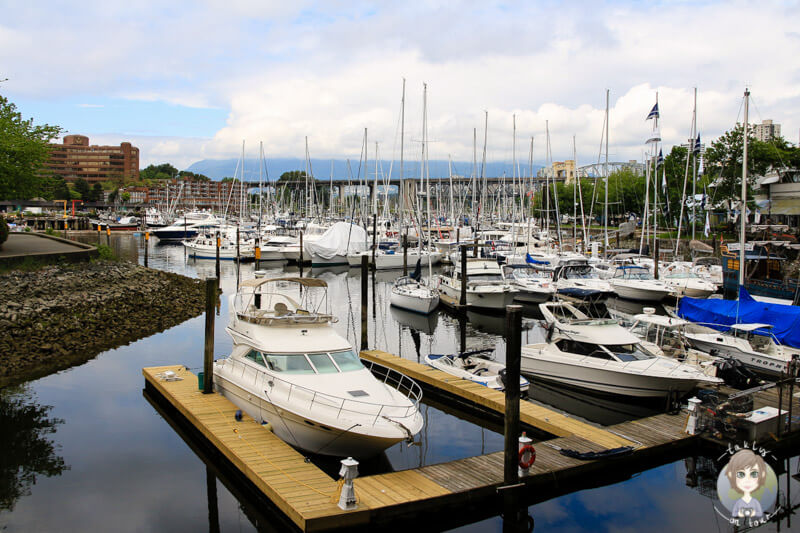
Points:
[[530, 413]]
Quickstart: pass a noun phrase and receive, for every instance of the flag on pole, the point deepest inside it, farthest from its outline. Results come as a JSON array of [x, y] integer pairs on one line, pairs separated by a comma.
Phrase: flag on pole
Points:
[[655, 137], [707, 229], [696, 149], [653, 113], [666, 192], [660, 160]]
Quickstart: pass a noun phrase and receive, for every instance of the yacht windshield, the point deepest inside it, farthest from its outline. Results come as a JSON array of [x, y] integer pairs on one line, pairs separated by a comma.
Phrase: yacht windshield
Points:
[[634, 273], [580, 272], [347, 361], [322, 363], [485, 277], [289, 363], [630, 352]]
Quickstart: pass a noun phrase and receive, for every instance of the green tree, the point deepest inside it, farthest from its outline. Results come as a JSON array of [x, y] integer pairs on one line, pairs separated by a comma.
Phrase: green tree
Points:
[[23, 151], [126, 197], [164, 171], [97, 193], [192, 175], [81, 186]]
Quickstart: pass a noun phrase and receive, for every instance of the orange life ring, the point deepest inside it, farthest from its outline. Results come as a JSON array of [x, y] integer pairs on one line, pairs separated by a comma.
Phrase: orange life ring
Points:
[[529, 449]]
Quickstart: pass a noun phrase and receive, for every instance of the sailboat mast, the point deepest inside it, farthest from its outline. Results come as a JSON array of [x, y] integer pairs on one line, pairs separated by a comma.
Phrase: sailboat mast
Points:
[[694, 162], [402, 139], [574, 197], [743, 207], [605, 173]]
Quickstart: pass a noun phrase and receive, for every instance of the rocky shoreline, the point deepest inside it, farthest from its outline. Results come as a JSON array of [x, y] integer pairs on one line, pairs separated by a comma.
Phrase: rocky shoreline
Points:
[[60, 316]]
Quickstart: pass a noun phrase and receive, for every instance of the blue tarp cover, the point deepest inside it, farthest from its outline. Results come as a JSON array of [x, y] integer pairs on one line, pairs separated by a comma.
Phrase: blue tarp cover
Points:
[[719, 314]]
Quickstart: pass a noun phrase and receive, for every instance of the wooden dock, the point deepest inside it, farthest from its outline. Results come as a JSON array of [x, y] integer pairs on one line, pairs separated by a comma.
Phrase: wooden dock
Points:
[[449, 491], [531, 414]]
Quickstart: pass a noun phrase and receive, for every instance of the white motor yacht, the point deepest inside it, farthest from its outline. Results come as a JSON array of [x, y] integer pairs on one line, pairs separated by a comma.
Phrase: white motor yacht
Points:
[[753, 345], [534, 286], [487, 288], [204, 246], [602, 356], [576, 278], [635, 282], [472, 367], [689, 284], [291, 369]]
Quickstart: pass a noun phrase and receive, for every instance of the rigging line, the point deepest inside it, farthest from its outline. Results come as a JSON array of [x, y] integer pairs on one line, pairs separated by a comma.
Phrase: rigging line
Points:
[[336, 437]]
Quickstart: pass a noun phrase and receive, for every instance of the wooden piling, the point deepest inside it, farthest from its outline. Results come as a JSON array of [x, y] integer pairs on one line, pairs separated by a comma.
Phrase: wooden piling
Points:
[[374, 237], [146, 246], [237, 243], [208, 353], [300, 261], [655, 258], [364, 300], [108, 234], [217, 264], [510, 487], [463, 300]]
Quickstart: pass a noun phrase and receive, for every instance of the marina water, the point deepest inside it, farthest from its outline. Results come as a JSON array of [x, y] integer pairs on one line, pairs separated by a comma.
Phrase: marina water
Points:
[[85, 450]]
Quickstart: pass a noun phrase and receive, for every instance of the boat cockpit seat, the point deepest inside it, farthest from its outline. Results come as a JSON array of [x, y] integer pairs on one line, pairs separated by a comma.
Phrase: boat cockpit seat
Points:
[[281, 309]]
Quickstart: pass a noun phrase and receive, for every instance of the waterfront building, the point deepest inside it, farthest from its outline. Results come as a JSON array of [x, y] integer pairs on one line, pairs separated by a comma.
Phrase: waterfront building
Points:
[[559, 171], [76, 158], [190, 193]]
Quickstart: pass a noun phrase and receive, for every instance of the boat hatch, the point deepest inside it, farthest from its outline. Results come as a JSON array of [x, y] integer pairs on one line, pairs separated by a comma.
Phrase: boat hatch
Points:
[[357, 393]]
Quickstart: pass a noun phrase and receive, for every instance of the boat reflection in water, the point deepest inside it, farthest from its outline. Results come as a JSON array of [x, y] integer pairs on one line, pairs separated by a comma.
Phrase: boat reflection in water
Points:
[[423, 323], [601, 409]]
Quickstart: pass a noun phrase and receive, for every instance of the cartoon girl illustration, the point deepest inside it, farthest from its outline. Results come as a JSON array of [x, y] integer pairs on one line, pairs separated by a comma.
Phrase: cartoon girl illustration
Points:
[[746, 472]]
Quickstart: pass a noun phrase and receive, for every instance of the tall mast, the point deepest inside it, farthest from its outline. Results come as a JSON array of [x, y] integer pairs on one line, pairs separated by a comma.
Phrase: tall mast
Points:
[[694, 161], [654, 157], [306, 196], [402, 139], [574, 197], [743, 207], [481, 207], [605, 173]]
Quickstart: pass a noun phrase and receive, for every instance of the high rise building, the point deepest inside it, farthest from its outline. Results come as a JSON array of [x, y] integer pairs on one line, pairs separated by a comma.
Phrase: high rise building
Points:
[[766, 131], [75, 158]]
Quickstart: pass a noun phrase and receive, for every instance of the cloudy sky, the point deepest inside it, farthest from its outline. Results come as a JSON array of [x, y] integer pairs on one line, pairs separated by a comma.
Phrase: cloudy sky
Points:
[[192, 80]]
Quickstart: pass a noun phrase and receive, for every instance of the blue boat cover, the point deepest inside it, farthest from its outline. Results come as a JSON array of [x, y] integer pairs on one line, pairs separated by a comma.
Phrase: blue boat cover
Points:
[[531, 261], [720, 314]]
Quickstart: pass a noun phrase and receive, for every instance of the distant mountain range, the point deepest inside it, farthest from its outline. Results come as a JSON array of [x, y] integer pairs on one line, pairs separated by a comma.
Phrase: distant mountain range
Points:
[[217, 169]]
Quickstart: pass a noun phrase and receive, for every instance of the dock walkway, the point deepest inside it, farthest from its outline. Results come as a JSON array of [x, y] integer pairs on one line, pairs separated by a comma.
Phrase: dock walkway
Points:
[[309, 497]]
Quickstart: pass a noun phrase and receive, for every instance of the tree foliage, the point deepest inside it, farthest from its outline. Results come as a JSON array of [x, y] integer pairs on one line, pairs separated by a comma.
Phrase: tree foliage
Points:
[[164, 171], [23, 151], [81, 186]]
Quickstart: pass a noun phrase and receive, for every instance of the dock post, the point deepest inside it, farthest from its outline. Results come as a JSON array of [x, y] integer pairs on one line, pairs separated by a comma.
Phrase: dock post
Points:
[[348, 472], [99, 234], [217, 263], [691, 423], [475, 249], [257, 252], [237, 243], [512, 460], [364, 300], [463, 300], [146, 242], [108, 234], [301, 253], [374, 237], [405, 254], [655, 258], [213, 506], [208, 353]]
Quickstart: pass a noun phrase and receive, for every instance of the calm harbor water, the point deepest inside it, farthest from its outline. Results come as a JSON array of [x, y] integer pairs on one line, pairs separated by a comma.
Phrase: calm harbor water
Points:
[[83, 450]]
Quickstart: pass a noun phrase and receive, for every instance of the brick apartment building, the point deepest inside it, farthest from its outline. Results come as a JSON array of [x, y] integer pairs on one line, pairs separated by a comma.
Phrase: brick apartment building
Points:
[[187, 193], [75, 158]]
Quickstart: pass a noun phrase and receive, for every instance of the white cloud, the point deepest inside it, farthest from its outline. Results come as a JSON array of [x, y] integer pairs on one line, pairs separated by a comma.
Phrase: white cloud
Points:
[[329, 70]]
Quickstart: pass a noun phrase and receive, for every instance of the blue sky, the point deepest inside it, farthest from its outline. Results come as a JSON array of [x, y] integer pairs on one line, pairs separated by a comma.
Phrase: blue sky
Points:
[[187, 80]]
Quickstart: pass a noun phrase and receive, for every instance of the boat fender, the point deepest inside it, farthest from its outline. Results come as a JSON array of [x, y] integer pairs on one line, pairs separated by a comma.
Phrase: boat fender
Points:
[[267, 426], [502, 375], [238, 415], [531, 452]]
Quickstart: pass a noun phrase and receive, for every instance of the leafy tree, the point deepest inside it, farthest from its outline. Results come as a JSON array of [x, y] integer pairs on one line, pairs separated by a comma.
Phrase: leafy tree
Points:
[[81, 186], [23, 151], [3, 231], [164, 171], [97, 192], [126, 197], [194, 176]]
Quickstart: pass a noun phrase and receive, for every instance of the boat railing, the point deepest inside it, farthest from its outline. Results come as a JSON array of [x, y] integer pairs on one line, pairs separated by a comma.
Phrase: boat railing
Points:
[[336, 406]]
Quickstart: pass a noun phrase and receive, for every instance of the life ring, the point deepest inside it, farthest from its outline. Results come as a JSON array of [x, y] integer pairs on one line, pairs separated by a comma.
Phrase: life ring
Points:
[[529, 449]]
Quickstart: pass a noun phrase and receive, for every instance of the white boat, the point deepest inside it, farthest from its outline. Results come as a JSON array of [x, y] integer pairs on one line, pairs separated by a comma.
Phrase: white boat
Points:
[[390, 259], [602, 356], [413, 295], [635, 282], [204, 246], [333, 247], [290, 368], [470, 366], [186, 227], [753, 345], [689, 284], [577, 279], [534, 286], [486, 286]]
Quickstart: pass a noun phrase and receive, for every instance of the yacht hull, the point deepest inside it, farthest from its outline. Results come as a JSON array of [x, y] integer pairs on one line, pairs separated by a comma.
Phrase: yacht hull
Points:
[[413, 303]]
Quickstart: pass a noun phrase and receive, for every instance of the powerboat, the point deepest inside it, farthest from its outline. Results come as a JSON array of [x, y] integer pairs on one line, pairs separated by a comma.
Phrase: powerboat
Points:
[[334, 246], [534, 286], [487, 288], [753, 345], [577, 279], [689, 284], [204, 246], [471, 366], [602, 356], [187, 227], [635, 282], [290, 368]]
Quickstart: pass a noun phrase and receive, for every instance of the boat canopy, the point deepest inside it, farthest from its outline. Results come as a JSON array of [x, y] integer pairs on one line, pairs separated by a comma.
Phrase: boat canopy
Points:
[[600, 331], [724, 314], [750, 327], [661, 320]]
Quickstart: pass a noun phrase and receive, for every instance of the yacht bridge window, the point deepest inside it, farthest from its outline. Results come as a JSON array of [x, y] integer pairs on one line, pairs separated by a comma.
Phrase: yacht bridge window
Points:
[[314, 363]]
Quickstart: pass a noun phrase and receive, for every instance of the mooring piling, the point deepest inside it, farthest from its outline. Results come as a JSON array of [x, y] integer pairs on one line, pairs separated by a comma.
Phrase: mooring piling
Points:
[[208, 353], [364, 300]]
